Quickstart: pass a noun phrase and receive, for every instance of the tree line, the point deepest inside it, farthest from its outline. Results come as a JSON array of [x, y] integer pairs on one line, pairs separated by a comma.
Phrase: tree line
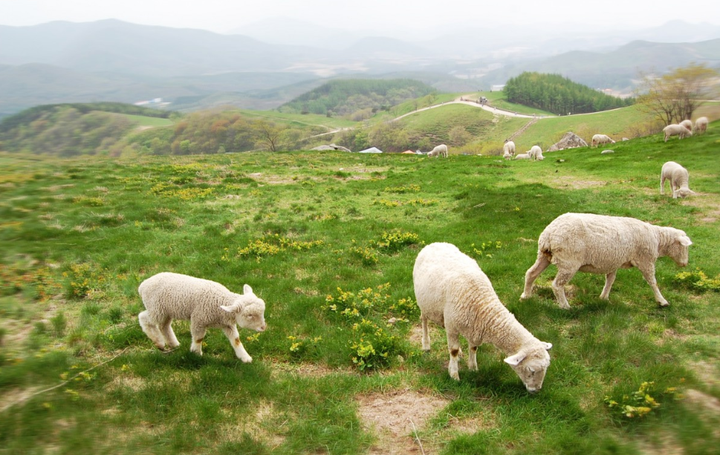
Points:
[[559, 95]]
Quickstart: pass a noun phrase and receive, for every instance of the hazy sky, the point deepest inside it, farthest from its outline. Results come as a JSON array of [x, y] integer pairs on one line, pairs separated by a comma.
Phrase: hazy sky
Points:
[[225, 15]]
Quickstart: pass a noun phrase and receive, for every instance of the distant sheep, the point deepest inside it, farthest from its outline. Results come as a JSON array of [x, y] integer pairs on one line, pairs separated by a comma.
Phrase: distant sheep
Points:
[[440, 150], [603, 244], [523, 156], [599, 139], [453, 292], [679, 179], [701, 125], [536, 153], [676, 130], [509, 148], [205, 303], [606, 152], [687, 123]]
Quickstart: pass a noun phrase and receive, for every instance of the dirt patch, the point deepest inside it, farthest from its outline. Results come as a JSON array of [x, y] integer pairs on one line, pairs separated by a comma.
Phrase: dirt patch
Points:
[[663, 445], [396, 417], [706, 372], [702, 400], [15, 396], [310, 370], [572, 182]]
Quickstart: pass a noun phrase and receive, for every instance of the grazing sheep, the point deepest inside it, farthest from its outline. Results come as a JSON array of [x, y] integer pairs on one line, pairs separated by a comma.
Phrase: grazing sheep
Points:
[[440, 150], [601, 139], [678, 177], [205, 303], [507, 156], [523, 156], [701, 125], [676, 130], [688, 124], [603, 244], [454, 293], [536, 153], [509, 148]]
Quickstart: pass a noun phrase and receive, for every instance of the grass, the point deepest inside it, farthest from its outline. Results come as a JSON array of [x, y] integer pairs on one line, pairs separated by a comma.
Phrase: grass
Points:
[[328, 240]]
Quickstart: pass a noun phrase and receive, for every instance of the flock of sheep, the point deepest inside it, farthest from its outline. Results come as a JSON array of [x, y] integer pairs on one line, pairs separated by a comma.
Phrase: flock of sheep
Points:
[[450, 288]]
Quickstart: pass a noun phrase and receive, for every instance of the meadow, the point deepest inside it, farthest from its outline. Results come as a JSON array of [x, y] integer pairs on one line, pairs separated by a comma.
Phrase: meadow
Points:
[[328, 240]]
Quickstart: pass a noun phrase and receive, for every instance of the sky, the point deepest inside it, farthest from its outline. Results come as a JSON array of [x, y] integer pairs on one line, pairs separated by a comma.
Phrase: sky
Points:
[[225, 15]]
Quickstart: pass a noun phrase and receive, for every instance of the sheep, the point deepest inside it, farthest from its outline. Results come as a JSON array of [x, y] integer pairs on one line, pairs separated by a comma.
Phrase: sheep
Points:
[[453, 292], [523, 156], [536, 153], [701, 125], [440, 150], [509, 148], [687, 123], [606, 152], [205, 303], [603, 244], [676, 130], [678, 177], [601, 139]]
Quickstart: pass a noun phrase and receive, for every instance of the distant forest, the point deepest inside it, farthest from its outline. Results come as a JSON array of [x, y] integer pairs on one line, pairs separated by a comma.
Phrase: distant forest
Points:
[[559, 95], [357, 99]]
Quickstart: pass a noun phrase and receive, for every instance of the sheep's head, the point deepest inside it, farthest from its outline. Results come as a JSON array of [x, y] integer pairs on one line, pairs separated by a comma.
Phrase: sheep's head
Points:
[[531, 365], [677, 246], [684, 192], [249, 310]]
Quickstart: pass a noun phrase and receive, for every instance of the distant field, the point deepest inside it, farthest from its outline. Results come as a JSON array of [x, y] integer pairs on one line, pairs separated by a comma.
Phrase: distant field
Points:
[[143, 121]]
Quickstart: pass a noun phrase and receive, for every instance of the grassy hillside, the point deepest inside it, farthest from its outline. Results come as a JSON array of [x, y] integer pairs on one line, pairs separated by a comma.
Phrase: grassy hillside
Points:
[[328, 240]]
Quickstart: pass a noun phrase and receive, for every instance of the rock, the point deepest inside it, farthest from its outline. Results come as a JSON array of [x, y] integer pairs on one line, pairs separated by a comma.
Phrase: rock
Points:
[[569, 141]]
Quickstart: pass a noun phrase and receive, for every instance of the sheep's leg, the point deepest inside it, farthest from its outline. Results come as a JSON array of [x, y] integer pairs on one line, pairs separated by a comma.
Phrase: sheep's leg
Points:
[[648, 272], [168, 334], [151, 330], [533, 272], [198, 333], [425, 333], [472, 358], [232, 334], [662, 185], [609, 280], [558, 286], [453, 341]]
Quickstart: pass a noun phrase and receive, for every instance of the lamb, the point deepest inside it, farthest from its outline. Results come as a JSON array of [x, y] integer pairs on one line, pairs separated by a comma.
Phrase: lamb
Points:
[[678, 177], [205, 303], [601, 139], [687, 123], [523, 156], [676, 130], [453, 292], [536, 153], [701, 125], [509, 148], [507, 156], [440, 150], [603, 244]]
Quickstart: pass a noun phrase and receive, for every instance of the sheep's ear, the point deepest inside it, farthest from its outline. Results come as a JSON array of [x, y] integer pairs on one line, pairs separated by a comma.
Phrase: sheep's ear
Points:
[[685, 240], [247, 289], [234, 308], [515, 360], [546, 345]]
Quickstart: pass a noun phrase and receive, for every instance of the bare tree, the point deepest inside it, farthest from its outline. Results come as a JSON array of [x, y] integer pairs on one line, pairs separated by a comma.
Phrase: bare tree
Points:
[[674, 97]]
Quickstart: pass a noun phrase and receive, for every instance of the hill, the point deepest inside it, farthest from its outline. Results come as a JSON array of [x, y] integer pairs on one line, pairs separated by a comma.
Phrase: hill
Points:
[[328, 241]]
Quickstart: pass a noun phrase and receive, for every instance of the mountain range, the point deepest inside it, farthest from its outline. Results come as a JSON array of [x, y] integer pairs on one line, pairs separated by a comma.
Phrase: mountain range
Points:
[[269, 64]]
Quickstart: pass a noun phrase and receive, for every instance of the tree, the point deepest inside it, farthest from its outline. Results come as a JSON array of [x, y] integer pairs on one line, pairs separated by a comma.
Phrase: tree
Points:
[[269, 135], [459, 136], [674, 96]]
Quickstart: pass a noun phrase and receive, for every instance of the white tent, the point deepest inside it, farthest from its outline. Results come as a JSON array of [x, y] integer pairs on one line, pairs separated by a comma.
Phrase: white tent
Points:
[[371, 150]]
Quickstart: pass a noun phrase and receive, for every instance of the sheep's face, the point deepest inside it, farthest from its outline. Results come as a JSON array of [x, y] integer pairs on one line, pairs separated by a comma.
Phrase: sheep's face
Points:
[[249, 311], [678, 249], [531, 366], [685, 192]]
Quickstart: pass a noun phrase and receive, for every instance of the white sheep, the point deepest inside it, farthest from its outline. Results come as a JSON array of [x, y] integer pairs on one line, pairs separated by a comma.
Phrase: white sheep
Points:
[[535, 153], [701, 125], [440, 150], [678, 177], [454, 293], [523, 156], [507, 156], [687, 123], [205, 303], [603, 244], [508, 148], [676, 130], [599, 139]]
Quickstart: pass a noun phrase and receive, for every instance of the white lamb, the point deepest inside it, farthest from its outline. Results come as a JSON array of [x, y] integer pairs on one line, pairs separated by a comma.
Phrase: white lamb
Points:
[[523, 156], [701, 125], [687, 123], [205, 303], [507, 156], [509, 148], [676, 130], [599, 139], [679, 179], [440, 150], [454, 293], [603, 244], [536, 153]]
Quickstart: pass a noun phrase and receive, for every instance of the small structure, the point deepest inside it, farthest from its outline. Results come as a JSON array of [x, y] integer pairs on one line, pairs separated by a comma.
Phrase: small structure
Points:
[[371, 150], [331, 147]]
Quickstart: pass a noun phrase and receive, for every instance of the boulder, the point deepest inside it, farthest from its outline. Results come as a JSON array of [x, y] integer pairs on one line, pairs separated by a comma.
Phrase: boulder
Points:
[[569, 141]]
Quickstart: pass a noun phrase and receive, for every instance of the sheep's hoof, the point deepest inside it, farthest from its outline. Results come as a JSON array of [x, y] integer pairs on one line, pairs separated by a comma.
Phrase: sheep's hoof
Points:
[[664, 304], [246, 360]]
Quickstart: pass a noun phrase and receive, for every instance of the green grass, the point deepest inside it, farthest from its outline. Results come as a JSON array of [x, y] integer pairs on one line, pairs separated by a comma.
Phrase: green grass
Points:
[[141, 120], [315, 234]]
